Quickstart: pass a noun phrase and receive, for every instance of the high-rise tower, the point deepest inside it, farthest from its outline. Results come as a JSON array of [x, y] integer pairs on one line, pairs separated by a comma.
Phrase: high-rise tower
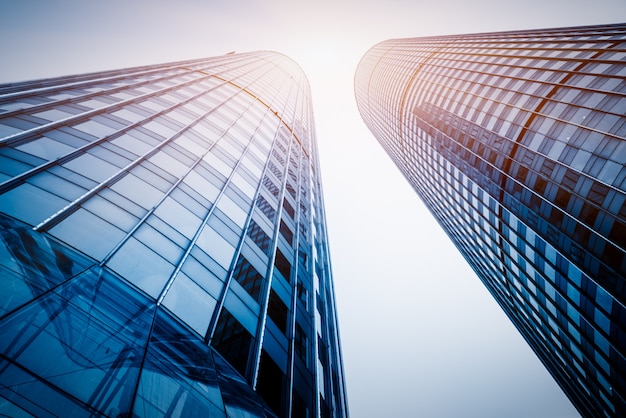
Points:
[[516, 143], [163, 245]]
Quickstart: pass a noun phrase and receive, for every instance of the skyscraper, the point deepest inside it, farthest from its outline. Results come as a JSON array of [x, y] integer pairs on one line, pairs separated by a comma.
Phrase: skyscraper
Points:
[[515, 141], [163, 245]]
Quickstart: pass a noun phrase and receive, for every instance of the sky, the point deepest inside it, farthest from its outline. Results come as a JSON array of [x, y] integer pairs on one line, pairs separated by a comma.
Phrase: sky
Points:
[[421, 336]]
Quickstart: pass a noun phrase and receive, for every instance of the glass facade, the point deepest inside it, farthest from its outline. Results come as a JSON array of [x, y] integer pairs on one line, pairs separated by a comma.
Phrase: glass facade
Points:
[[163, 247], [516, 143]]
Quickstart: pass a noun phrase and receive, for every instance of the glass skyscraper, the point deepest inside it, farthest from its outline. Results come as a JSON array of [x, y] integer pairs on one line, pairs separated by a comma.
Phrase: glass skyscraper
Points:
[[163, 247], [516, 143]]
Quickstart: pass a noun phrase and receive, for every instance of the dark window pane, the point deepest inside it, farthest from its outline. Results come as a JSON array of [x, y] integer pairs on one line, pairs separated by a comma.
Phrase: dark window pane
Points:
[[248, 277], [288, 208], [283, 265], [269, 184], [286, 232], [275, 170], [277, 311], [266, 208], [232, 341], [300, 343], [270, 383], [259, 237]]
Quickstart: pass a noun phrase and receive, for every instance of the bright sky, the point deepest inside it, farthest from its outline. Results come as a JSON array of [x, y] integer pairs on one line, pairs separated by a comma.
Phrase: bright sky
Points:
[[421, 336]]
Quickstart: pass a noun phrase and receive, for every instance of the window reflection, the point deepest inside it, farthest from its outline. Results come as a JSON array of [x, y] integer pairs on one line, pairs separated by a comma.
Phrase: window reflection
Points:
[[94, 328], [31, 264]]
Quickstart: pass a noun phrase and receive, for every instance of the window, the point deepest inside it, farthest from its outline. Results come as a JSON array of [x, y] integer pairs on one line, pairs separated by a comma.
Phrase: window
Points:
[[248, 277], [269, 184], [288, 208], [300, 343], [266, 208], [283, 265], [303, 294], [270, 382], [286, 232], [232, 341], [260, 238], [277, 311]]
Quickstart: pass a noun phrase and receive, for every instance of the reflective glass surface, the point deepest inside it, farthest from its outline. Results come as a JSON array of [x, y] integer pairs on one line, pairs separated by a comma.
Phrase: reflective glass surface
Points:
[[181, 186], [516, 141]]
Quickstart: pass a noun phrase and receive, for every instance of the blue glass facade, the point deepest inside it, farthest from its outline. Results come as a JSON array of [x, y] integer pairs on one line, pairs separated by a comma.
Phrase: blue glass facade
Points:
[[163, 245], [516, 143]]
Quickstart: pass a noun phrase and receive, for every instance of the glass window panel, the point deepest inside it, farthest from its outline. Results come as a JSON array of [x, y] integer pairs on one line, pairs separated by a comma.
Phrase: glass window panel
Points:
[[16, 385], [8, 130], [166, 229], [92, 167], [94, 328], [169, 163], [68, 136], [111, 213], [283, 265], [190, 203], [610, 172], [46, 148], [92, 234], [191, 303], [164, 131], [151, 104], [216, 246], [123, 95], [128, 115], [272, 382], [145, 135], [30, 204], [30, 264], [9, 167], [604, 299], [229, 146], [179, 378], [130, 143], [159, 243], [278, 311], [186, 141], [178, 217], [94, 103], [248, 277], [225, 227], [182, 115], [141, 266], [111, 121], [123, 202], [137, 190], [201, 185], [217, 163], [252, 165], [94, 128], [258, 150], [242, 312], [232, 341], [206, 131], [23, 124], [57, 185], [154, 175], [203, 273], [232, 210], [243, 185], [112, 154]]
